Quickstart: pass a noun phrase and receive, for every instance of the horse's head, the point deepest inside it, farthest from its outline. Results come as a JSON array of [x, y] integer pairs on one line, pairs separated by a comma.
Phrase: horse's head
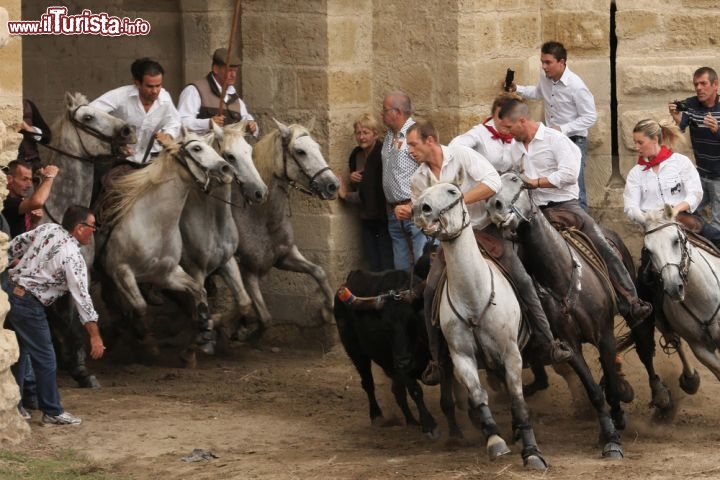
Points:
[[666, 243], [201, 161], [98, 133], [441, 212], [302, 164], [511, 205], [238, 153]]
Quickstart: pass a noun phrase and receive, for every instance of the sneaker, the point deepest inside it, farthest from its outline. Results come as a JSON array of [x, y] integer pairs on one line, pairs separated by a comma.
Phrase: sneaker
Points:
[[558, 352], [432, 374], [64, 418], [24, 413]]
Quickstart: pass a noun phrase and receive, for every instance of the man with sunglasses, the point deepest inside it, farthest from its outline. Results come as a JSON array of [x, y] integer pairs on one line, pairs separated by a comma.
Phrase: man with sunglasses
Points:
[[46, 263]]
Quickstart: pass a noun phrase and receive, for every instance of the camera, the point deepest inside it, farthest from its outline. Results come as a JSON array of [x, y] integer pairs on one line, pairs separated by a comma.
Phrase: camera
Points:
[[681, 106]]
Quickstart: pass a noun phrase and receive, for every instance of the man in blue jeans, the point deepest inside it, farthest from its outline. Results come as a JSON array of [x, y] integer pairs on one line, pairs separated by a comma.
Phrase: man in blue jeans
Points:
[[398, 167], [46, 263]]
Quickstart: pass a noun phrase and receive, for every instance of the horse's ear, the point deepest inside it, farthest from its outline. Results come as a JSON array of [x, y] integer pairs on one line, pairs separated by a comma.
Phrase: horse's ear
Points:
[[638, 216], [460, 177], [70, 101], [311, 124], [668, 212], [218, 131], [284, 129]]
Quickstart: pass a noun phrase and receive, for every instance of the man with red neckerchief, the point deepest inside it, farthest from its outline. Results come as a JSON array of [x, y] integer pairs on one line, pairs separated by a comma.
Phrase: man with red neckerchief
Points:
[[485, 139]]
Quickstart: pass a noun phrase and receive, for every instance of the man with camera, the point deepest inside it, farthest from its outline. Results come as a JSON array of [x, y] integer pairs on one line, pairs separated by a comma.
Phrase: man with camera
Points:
[[702, 114]]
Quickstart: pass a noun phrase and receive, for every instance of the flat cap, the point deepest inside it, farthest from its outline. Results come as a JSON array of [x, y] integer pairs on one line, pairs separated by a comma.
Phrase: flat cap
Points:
[[221, 55]]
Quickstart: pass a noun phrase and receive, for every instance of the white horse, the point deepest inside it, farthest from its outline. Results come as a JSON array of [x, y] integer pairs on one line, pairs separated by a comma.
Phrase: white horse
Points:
[[691, 287], [209, 234], [141, 215], [480, 318]]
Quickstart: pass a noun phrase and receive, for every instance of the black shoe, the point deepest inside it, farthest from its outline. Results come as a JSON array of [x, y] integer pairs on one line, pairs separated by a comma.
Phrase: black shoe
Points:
[[558, 352], [432, 374]]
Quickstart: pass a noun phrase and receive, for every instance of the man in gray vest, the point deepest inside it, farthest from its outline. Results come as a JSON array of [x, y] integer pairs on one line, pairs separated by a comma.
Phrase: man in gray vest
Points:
[[199, 102]]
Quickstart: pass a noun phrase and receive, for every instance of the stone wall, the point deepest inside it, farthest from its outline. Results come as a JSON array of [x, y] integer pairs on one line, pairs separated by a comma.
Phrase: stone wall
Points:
[[330, 60], [13, 428]]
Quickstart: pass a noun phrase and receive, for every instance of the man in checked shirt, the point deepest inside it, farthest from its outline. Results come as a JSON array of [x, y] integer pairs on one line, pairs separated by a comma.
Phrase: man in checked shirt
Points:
[[398, 167], [45, 264]]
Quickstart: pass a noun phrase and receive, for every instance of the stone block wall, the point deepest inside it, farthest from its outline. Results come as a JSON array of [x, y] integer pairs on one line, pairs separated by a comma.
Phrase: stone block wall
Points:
[[13, 428], [330, 60]]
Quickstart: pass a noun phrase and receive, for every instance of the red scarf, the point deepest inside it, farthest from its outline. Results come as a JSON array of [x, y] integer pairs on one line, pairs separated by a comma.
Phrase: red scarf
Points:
[[662, 155], [495, 134]]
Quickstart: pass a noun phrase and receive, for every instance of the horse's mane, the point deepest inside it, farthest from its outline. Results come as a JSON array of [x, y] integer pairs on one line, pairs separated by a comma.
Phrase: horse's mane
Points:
[[125, 190], [269, 148]]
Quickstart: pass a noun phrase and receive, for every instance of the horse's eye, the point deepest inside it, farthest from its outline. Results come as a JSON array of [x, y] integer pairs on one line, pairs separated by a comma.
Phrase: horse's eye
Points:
[[229, 157], [197, 148], [87, 117], [300, 152]]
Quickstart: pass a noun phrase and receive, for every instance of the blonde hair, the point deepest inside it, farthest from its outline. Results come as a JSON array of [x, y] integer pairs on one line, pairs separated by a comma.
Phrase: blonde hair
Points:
[[369, 121], [665, 131]]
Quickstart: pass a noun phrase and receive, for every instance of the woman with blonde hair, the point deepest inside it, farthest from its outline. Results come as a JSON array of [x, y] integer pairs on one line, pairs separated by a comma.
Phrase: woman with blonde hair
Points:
[[366, 191]]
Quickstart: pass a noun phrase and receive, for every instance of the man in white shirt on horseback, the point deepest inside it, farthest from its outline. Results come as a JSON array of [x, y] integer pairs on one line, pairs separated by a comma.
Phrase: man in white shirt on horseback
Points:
[[550, 163], [480, 181]]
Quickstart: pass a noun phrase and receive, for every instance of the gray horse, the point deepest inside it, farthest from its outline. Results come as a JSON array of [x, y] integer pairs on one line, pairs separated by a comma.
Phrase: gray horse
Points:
[[80, 135], [209, 234], [286, 158], [141, 240]]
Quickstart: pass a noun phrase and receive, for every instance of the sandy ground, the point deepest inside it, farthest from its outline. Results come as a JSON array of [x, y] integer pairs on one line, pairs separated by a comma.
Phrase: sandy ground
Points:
[[301, 414]]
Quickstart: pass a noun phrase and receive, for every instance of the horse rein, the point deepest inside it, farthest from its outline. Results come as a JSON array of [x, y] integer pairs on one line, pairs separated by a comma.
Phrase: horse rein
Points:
[[114, 144], [182, 155], [314, 189], [443, 224]]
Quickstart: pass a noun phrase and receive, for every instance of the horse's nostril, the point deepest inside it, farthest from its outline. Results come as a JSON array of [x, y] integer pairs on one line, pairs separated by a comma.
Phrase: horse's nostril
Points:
[[332, 188], [126, 131], [426, 208], [498, 204], [259, 195], [226, 169]]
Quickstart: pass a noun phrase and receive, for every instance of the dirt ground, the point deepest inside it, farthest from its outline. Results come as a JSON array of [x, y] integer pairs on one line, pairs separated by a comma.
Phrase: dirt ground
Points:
[[278, 413]]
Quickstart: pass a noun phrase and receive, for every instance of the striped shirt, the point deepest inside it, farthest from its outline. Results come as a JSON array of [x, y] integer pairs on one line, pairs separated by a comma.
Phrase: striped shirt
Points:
[[398, 165], [706, 145]]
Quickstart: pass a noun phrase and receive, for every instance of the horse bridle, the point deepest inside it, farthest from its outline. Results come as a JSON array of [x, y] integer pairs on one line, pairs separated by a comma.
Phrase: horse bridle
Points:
[[513, 204], [684, 265], [314, 189], [112, 140], [182, 155], [443, 224]]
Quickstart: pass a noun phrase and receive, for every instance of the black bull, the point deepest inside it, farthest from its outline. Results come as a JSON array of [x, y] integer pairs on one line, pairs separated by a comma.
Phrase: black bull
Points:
[[395, 338]]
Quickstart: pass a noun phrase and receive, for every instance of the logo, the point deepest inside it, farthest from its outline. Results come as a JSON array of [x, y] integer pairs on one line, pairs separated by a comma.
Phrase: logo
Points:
[[56, 21]]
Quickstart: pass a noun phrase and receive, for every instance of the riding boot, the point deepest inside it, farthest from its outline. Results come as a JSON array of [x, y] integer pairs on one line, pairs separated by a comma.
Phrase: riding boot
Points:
[[433, 373], [556, 350]]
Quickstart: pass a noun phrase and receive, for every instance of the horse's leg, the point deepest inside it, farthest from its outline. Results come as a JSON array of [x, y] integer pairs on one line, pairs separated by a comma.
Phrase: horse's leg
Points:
[[608, 434], [296, 262], [463, 357], [252, 283], [689, 378], [707, 357], [606, 347], [520, 415], [230, 272], [447, 402], [179, 280]]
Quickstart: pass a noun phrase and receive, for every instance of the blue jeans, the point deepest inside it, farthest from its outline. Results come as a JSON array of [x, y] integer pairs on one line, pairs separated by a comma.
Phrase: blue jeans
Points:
[[27, 318], [711, 196], [377, 245], [582, 144], [405, 233]]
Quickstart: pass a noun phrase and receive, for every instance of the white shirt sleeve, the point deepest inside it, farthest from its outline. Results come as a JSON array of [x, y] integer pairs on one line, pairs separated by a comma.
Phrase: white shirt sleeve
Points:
[[691, 179], [108, 102], [529, 91], [633, 191], [188, 109], [568, 157], [586, 114]]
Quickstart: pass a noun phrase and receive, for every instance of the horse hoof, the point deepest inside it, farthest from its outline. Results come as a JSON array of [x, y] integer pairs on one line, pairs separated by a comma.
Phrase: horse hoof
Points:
[[88, 382], [535, 462], [378, 421], [433, 434], [613, 451], [690, 383], [661, 396], [532, 388], [496, 447], [626, 394], [189, 360], [207, 348], [455, 433]]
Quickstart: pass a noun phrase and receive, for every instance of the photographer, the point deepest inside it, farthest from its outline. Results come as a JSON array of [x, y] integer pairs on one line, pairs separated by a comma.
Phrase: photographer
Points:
[[702, 114]]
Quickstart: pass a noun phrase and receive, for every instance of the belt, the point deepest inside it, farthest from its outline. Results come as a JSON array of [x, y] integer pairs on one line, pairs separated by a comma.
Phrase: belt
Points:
[[20, 291], [556, 204], [401, 202], [710, 176], [575, 138]]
